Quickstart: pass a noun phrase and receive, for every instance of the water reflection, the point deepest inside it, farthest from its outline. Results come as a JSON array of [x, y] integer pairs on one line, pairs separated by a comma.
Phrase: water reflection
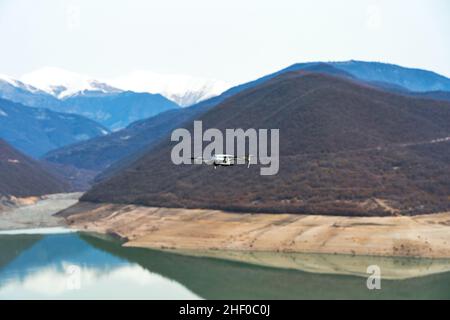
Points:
[[37, 267], [45, 267]]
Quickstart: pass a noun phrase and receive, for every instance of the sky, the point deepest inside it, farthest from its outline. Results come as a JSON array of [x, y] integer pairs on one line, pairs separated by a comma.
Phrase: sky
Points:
[[232, 40]]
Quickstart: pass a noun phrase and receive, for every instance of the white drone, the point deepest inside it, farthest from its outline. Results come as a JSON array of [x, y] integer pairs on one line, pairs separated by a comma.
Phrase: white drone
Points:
[[222, 160]]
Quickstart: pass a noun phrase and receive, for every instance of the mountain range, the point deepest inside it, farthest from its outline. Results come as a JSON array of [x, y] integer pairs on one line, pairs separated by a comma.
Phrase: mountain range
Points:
[[100, 153], [363, 118], [110, 107], [346, 147], [181, 89], [117, 102], [62, 84]]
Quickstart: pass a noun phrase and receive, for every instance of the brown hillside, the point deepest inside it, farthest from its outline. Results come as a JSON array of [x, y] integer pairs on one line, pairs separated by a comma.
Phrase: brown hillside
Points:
[[22, 176]]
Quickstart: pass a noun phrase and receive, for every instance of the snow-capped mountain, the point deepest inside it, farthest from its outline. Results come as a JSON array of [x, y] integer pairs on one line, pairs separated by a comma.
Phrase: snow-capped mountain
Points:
[[7, 80], [183, 89], [18, 91], [62, 83]]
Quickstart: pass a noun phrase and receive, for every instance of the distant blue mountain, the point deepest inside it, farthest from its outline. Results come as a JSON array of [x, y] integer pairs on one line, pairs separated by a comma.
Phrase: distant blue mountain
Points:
[[412, 79], [117, 110], [20, 92], [382, 75], [35, 131]]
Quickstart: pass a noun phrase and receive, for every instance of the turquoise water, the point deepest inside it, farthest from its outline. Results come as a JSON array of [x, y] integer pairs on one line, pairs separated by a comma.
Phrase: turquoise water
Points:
[[81, 266]]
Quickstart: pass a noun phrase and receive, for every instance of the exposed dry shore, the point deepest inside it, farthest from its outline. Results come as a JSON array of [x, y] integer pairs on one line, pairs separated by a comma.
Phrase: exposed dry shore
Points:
[[211, 231], [35, 212]]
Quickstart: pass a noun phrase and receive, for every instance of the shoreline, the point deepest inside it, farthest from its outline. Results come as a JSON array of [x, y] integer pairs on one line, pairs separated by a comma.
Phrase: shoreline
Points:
[[393, 268], [202, 230]]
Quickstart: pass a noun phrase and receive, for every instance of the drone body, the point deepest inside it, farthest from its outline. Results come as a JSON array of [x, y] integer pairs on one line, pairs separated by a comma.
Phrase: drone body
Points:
[[222, 160]]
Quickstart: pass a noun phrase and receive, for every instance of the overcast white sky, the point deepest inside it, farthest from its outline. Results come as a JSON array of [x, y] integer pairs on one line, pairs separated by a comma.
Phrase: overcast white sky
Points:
[[231, 40]]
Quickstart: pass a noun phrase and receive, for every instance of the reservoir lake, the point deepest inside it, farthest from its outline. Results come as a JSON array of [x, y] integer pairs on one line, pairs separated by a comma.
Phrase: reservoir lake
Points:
[[60, 264]]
